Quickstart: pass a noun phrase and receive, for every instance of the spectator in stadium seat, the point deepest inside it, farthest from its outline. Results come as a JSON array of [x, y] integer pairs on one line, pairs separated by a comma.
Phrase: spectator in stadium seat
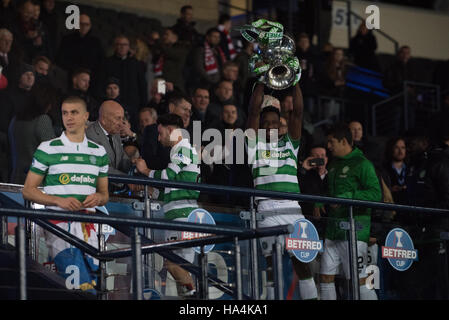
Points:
[[397, 169], [133, 86], [364, 143], [223, 171], [437, 176], [208, 59], [200, 104], [30, 33], [12, 101], [308, 58], [41, 65], [224, 26], [185, 27], [147, 117], [230, 72], [17, 95], [7, 13], [9, 60], [29, 128], [169, 59], [333, 81], [313, 179], [363, 48], [51, 18], [113, 89], [81, 49], [242, 60], [418, 155], [401, 70], [224, 94], [80, 88], [106, 132]]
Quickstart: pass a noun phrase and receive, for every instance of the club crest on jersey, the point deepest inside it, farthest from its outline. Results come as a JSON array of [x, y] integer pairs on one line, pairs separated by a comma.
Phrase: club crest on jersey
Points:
[[64, 158], [345, 170], [92, 159]]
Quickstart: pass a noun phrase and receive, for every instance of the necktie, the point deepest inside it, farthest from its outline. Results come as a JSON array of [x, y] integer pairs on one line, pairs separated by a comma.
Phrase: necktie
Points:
[[110, 141]]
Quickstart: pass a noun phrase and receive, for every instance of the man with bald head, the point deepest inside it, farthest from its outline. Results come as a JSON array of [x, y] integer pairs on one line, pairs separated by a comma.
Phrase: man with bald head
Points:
[[80, 49], [106, 132]]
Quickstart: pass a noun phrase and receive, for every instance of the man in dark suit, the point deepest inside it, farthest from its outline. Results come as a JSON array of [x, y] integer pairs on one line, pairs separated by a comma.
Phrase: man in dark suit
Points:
[[106, 131], [131, 74]]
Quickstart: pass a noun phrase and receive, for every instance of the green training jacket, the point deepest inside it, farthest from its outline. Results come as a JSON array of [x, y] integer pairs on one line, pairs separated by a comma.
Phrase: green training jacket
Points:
[[352, 177]]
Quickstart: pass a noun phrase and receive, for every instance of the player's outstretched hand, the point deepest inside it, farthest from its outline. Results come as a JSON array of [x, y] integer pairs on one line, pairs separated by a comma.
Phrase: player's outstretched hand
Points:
[[70, 204], [141, 166]]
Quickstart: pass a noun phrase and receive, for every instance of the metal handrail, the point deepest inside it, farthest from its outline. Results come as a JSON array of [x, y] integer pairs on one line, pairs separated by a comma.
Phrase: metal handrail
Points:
[[229, 234], [209, 188]]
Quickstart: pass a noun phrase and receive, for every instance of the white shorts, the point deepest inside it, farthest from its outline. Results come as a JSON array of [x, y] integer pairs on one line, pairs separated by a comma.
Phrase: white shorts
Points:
[[336, 255], [173, 235], [280, 212]]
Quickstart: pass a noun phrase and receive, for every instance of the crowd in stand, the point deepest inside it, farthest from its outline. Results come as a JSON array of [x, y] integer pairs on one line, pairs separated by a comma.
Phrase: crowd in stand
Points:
[[200, 77]]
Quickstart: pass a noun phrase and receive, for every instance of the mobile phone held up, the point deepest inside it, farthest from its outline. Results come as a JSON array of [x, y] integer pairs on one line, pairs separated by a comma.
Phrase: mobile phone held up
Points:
[[161, 87], [316, 162]]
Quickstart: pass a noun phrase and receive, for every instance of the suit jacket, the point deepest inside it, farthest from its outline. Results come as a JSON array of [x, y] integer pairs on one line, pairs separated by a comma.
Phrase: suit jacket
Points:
[[119, 163]]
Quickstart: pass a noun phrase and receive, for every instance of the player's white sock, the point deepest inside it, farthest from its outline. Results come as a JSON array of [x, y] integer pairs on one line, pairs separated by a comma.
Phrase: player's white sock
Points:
[[367, 294], [327, 291], [307, 289]]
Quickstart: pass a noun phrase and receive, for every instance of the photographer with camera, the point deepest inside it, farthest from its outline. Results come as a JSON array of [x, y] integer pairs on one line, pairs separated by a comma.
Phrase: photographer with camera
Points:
[[312, 177]]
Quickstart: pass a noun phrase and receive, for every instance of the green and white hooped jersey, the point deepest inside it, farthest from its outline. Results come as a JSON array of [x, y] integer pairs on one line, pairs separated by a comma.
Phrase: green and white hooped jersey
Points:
[[274, 165], [184, 166], [70, 169]]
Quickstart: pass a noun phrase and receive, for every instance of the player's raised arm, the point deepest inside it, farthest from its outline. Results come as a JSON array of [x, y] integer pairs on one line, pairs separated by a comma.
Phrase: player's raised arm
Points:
[[295, 121], [255, 105]]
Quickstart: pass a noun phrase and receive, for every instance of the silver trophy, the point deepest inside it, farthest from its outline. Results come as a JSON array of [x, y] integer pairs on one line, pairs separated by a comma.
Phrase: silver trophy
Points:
[[275, 62]]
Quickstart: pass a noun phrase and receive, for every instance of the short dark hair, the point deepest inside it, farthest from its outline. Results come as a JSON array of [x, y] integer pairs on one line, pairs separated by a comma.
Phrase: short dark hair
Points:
[[200, 87], [185, 8], [170, 119], [223, 18], [74, 100], [269, 109], [41, 58], [78, 71], [211, 30], [173, 30], [341, 131], [176, 98]]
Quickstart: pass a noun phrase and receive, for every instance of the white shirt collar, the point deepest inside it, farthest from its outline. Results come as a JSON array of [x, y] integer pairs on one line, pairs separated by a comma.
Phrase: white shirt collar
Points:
[[66, 140], [105, 132]]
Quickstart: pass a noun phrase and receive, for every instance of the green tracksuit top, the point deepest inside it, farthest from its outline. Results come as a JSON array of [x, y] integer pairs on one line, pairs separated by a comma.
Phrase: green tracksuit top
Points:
[[352, 177]]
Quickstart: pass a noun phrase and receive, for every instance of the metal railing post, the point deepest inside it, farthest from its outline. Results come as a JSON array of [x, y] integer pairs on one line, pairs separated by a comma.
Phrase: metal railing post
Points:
[[203, 285], [3, 231], [353, 256], [137, 265], [21, 257], [277, 266], [254, 256], [238, 269], [149, 258], [102, 294]]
